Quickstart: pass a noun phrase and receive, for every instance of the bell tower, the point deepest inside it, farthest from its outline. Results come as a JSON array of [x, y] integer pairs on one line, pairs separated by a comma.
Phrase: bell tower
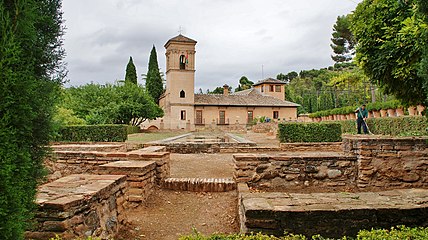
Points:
[[180, 81]]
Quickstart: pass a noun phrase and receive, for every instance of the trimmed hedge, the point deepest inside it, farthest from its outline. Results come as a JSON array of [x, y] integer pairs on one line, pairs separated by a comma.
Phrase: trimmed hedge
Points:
[[400, 232], [93, 133], [310, 132], [397, 126], [133, 129]]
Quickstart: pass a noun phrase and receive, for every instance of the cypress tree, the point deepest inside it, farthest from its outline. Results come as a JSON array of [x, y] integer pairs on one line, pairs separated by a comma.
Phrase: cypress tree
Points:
[[131, 72], [31, 74], [154, 83]]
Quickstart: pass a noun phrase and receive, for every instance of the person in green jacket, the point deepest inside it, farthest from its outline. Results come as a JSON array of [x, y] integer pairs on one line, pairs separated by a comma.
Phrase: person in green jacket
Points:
[[362, 115]]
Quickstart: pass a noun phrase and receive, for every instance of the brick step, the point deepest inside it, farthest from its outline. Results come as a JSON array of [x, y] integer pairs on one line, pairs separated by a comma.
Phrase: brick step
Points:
[[200, 184]]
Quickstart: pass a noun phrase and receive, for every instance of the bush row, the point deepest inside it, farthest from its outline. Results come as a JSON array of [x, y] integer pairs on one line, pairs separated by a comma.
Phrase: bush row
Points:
[[92, 133], [393, 104], [133, 129], [398, 126], [375, 234], [310, 132]]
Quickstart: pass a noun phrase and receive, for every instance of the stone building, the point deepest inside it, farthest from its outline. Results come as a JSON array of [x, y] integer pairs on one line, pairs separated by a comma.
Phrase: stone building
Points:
[[186, 110]]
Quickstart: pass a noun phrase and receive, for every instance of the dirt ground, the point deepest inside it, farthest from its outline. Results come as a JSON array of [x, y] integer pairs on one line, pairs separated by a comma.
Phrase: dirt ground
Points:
[[167, 215], [262, 139], [202, 165]]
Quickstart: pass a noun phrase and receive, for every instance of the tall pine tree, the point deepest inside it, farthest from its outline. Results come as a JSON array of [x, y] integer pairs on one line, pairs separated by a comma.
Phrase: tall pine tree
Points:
[[131, 72], [343, 41], [154, 83]]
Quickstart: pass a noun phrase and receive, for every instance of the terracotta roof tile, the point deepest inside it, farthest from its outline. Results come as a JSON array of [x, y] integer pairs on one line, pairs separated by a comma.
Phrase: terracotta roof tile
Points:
[[249, 97], [269, 80], [180, 38]]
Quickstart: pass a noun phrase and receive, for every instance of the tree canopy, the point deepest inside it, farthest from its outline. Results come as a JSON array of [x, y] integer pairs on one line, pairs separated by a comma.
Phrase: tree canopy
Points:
[[244, 84], [131, 72], [343, 40], [31, 73], [111, 104], [392, 37], [154, 84]]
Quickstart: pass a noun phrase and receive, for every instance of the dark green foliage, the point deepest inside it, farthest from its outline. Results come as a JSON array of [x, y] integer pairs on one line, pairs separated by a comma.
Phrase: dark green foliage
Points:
[[391, 38], [343, 41], [93, 133], [397, 126], [219, 90], [310, 132], [131, 72], [111, 104], [154, 83], [30, 75], [133, 129], [288, 77], [244, 84], [400, 232]]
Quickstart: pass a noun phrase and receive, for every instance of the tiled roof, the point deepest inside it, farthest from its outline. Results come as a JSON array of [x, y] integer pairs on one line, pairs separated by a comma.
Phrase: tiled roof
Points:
[[250, 97], [180, 38], [269, 80]]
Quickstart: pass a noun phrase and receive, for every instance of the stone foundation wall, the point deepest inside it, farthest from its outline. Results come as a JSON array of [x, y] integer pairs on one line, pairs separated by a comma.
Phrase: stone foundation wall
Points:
[[312, 147], [388, 163], [78, 206], [140, 176], [185, 148], [283, 172], [63, 163]]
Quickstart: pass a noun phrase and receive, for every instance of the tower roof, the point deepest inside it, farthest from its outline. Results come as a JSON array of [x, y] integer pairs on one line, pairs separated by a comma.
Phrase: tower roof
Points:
[[268, 81], [180, 38]]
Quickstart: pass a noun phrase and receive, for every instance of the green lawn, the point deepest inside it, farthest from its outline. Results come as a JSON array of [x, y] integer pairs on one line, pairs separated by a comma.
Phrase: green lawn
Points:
[[152, 136]]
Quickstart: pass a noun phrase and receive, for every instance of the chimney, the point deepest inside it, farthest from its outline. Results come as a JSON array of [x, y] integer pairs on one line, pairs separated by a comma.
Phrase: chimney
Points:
[[225, 90]]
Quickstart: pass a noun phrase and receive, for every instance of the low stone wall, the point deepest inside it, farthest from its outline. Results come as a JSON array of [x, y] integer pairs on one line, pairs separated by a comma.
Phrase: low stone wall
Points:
[[200, 184], [331, 215], [140, 176], [63, 163], [389, 163], [284, 172], [78, 206], [312, 147], [99, 147], [271, 127]]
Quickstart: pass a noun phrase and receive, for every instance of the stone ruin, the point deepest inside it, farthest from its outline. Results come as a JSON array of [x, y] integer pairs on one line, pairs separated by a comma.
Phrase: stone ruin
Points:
[[360, 183]]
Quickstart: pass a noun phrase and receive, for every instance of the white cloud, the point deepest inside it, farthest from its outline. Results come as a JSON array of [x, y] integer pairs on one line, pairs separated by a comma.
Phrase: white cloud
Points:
[[234, 37]]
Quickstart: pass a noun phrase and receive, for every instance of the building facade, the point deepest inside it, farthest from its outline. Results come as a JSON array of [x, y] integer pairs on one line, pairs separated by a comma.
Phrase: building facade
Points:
[[186, 110]]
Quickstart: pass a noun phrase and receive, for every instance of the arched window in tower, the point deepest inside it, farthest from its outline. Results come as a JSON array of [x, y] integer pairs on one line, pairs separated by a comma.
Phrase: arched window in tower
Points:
[[182, 94], [183, 61]]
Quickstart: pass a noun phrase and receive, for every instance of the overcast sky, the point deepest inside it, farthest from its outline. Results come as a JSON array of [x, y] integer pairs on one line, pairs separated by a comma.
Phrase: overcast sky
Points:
[[235, 37]]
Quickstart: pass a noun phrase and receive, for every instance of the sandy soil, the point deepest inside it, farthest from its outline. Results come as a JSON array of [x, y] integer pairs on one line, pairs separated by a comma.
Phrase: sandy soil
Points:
[[202, 165], [168, 214]]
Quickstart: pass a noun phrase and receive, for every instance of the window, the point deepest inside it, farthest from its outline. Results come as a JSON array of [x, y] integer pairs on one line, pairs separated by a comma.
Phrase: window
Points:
[[183, 62], [183, 114], [275, 114], [198, 117], [222, 117], [277, 88], [263, 89], [182, 94], [250, 116], [270, 88]]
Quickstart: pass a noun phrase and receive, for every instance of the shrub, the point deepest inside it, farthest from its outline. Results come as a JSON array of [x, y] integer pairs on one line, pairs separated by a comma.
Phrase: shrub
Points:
[[400, 232], [397, 126], [132, 129], [310, 132], [93, 133]]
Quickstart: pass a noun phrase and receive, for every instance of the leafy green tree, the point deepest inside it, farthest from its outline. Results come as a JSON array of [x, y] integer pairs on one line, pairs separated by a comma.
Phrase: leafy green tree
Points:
[[244, 84], [391, 38], [111, 104], [217, 90], [154, 84], [131, 72], [288, 77], [423, 69], [343, 41], [31, 74]]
